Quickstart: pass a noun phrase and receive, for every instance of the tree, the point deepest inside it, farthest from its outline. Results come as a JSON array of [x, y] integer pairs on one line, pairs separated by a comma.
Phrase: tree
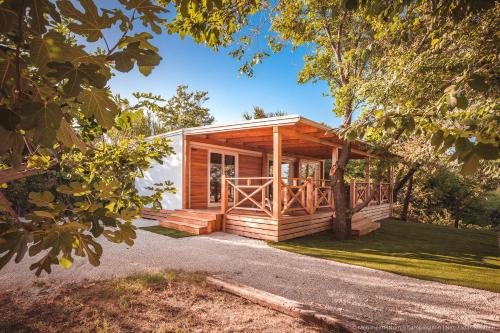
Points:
[[391, 61], [57, 112], [435, 77], [185, 109], [259, 113], [341, 43]]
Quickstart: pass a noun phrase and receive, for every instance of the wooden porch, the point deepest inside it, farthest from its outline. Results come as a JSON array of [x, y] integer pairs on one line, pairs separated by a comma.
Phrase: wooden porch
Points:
[[249, 179]]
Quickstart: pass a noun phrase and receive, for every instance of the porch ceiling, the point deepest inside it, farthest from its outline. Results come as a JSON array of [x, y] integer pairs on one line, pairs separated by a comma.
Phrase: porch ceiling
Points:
[[301, 138]]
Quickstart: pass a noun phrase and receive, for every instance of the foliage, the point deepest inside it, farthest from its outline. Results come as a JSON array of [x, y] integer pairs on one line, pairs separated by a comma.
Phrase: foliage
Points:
[[445, 54], [259, 113], [424, 67], [97, 198], [185, 109], [153, 114], [56, 58], [444, 196], [424, 251]]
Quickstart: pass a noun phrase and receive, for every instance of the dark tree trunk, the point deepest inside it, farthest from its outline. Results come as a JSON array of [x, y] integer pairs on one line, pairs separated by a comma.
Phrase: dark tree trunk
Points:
[[401, 182], [457, 218], [406, 203]]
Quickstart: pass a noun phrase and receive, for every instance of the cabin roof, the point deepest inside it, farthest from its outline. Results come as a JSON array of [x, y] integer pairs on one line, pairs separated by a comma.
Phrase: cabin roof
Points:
[[301, 136]]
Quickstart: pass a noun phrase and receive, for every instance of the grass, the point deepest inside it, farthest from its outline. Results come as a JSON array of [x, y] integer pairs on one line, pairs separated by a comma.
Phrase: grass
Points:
[[167, 231], [156, 302], [438, 253]]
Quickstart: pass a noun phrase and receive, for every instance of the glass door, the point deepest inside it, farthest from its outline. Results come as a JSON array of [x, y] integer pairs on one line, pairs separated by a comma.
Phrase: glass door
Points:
[[220, 164], [285, 174]]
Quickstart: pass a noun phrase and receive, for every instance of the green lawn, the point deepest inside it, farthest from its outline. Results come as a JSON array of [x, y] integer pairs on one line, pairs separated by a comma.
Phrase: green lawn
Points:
[[167, 231], [430, 252]]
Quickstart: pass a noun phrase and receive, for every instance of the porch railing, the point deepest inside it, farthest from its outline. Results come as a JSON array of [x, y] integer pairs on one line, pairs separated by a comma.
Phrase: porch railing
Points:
[[359, 190], [250, 193], [298, 194], [255, 194]]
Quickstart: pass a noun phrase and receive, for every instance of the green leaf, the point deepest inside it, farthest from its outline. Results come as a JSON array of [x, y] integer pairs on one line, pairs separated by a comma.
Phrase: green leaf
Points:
[[437, 138], [76, 76], [44, 264], [9, 119], [142, 38], [88, 23], [69, 138], [124, 59], [43, 213], [48, 119], [74, 188], [149, 11], [7, 70], [462, 102], [8, 19], [66, 262], [462, 146], [487, 151], [41, 199], [350, 4], [98, 103], [13, 242], [470, 165], [388, 123], [9, 140], [477, 83], [40, 10]]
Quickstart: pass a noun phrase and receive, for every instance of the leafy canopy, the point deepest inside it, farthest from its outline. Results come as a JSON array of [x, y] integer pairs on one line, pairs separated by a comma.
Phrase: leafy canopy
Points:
[[57, 111]]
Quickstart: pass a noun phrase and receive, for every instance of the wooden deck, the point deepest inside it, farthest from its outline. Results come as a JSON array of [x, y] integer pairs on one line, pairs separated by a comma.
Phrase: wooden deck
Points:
[[259, 225]]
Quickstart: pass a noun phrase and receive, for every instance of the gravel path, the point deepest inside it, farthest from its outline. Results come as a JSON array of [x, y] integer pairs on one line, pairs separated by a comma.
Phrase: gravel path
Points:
[[376, 300]]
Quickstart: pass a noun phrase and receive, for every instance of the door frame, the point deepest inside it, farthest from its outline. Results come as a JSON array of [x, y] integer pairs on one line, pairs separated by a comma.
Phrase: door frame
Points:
[[223, 152]]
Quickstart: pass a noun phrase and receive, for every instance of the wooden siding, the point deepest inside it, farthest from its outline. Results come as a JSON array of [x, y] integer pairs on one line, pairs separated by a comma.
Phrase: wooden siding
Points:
[[377, 212], [198, 193], [268, 229], [249, 166]]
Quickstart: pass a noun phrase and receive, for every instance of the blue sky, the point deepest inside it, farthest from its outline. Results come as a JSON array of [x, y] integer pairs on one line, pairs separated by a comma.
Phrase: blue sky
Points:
[[274, 86]]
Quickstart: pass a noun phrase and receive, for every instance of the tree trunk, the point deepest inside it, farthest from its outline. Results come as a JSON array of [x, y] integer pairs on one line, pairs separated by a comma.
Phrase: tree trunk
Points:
[[342, 226], [457, 218], [401, 182], [406, 203]]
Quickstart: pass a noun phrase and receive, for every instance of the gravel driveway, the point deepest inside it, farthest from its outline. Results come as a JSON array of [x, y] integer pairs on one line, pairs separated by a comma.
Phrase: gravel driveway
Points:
[[376, 300]]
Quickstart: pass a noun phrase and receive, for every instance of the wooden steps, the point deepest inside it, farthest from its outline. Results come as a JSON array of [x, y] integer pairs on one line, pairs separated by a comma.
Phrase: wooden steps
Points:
[[151, 214], [194, 222], [362, 225]]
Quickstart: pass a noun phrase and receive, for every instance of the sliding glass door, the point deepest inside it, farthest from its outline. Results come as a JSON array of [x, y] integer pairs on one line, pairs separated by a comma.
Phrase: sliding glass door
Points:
[[220, 163]]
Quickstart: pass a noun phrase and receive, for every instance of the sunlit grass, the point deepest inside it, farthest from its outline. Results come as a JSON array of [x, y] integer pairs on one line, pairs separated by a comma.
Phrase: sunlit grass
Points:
[[430, 252], [167, 231]]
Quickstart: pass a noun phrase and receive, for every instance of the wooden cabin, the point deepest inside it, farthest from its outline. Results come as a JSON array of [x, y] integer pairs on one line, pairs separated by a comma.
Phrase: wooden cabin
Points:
[[262, 178]]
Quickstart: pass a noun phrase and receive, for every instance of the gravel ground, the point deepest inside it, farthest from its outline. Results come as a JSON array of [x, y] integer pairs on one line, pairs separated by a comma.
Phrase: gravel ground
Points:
[[375, 300]]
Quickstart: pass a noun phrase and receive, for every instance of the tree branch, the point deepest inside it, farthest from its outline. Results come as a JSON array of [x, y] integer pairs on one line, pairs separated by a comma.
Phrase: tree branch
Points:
[[19, 86]]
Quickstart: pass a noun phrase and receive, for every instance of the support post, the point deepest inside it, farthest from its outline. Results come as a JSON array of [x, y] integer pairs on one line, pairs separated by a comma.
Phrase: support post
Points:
[[277, 188], [310, 200], [352, 194], [225, 195], [296, 168]]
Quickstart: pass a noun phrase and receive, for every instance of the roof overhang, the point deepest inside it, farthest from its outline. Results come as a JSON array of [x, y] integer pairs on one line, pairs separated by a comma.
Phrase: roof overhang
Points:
[[301, 137]]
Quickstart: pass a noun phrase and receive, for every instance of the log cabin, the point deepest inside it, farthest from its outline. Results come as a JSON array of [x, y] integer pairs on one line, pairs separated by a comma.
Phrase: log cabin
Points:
[[263, 179]]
